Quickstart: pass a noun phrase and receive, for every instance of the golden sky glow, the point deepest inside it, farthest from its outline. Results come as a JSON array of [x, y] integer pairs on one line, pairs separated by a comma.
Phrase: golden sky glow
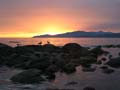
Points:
[[26, 18]]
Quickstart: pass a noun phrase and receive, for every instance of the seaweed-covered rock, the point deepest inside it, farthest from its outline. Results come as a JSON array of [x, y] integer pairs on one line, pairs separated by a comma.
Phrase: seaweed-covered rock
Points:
[[97, 51], [87, 60], [52, 69], [16, 60], [28, 77], [75, 50], [41, 63], [69, 68], [114, 62]]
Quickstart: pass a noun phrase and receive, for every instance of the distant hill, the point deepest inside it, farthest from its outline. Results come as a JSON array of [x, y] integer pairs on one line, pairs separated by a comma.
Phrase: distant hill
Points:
[[78, 34]]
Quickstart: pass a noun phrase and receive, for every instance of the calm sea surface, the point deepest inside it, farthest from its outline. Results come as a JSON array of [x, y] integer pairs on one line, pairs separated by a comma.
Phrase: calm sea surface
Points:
[[61, 41]]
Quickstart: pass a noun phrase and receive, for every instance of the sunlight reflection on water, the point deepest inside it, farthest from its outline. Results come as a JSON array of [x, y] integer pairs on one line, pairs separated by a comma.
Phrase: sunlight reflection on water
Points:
[[61, 41]]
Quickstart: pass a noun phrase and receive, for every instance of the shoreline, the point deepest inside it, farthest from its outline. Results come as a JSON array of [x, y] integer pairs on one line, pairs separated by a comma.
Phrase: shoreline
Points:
[[47, 60]]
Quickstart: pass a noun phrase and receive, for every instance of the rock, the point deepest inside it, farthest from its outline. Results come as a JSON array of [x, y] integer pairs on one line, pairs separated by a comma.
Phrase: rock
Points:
[[51, 48], [108, 71], [97, 51], [19, 61], [28, 77], [118, 46], [103, 59], [3, 45], [75, 50], [119, 53], [110, 56], [52, 69], [84, 69], [52, 89], [27, 49], [99, 62], [109, 46], [87, 60], [104, 67], [41, 63], [114, 62], [50, 76], [5, 50], [69, 68], [89, 88]]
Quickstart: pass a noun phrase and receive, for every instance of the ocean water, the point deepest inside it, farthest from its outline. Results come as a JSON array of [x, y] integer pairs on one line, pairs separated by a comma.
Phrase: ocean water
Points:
[[61, 41]]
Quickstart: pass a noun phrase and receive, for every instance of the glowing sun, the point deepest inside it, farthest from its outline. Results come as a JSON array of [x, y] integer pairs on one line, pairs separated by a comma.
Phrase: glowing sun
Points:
[[53, 30]]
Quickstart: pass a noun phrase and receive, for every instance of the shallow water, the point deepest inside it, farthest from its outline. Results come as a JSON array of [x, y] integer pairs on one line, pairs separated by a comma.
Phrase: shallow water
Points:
[[97, 79]]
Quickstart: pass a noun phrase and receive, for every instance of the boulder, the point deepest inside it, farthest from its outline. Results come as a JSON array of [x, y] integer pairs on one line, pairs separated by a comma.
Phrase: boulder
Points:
[[87, 60], [114, 62], [97, 51], [52, 69], [30, 76], [75, 50], [41, 63], [17, 60], [69, 68], [51, 48], [107, 71]]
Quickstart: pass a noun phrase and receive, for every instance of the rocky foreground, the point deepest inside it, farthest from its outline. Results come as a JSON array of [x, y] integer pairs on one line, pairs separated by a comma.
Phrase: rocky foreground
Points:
[[39, 63]]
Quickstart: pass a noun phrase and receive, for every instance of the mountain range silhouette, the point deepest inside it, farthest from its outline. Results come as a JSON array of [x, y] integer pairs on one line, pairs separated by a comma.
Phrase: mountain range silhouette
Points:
[[77, 34]]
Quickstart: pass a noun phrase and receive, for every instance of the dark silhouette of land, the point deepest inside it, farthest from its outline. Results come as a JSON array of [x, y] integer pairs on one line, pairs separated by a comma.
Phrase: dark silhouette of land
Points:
[[78, 34]]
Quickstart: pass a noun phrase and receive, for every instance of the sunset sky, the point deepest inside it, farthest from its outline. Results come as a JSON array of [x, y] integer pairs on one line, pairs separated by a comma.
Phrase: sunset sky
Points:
[[26, 18]]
